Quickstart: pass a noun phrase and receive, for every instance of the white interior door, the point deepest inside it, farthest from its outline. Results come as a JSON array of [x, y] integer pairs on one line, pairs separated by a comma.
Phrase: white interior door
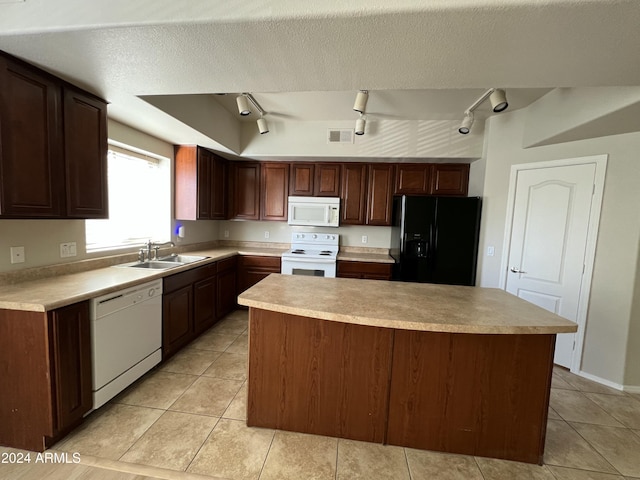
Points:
[[549, 234]]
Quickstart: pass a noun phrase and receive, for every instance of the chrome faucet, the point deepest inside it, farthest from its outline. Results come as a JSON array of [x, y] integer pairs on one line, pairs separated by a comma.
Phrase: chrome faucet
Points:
[[156, 246]]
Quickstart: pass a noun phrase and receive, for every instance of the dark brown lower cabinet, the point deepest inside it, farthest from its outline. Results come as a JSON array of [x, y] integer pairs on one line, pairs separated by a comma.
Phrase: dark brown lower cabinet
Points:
[[188, 306], [45, 361], [177, 319], [364, 270], [70, 330], [194, 300], [473, 394], [227, 277], [252, 269]]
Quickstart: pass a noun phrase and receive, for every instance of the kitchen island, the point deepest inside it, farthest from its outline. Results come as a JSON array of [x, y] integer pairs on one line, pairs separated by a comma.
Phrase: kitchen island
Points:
[[448, 368]]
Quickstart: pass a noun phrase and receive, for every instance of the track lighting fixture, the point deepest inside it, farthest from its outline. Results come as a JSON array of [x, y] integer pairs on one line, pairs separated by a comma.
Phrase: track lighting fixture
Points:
[[360, 124], [498, 99], [244, 101], [263, 126], [361, 101], [243, 105], [467, 122]]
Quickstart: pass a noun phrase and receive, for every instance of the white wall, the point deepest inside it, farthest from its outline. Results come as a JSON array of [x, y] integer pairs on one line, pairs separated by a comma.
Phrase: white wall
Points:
[[610, 319], [280, 232], [387, 139]]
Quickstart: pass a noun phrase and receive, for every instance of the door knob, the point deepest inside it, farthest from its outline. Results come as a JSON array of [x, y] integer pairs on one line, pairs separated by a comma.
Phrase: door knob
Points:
[[515, 270]]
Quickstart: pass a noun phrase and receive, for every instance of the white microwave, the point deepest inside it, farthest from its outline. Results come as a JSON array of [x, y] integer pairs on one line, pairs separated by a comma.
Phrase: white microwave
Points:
[[314, 211]]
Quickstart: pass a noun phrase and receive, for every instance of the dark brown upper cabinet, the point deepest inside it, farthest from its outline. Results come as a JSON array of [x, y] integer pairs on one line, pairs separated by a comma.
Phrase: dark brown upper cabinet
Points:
[[413, 179], [274, 188], [85, 147], [53, 146], [245, 190], [380, 194], [353, 196], [200, 184], [450, 179], [301, 179], [327, 180]]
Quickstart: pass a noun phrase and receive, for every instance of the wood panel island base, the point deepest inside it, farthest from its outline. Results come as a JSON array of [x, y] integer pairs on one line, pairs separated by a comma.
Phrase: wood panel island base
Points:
[[454, 369]]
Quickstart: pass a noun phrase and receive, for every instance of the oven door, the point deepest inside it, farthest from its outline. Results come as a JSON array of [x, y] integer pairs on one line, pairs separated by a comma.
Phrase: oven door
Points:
[[312, 267]]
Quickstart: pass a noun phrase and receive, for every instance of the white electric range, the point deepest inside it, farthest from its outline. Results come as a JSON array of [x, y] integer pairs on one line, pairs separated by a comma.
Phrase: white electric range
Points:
[[313, 254]]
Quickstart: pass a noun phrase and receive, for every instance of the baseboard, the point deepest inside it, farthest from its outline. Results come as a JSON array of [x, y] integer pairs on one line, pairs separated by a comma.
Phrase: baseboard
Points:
[[631, 388], [601, 381]]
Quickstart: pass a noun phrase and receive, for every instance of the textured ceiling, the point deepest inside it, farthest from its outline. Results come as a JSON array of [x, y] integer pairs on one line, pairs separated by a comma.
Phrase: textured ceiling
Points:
[[121, 50]]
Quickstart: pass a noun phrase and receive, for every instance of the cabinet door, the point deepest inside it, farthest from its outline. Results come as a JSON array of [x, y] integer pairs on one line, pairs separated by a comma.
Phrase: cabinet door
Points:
[[245, 197], [205, 294], [353, 194], [450, 179], [85, 146], [203, 184], [327, 181], [177, 320], [301, 183], [252, 269], [379, 201], [71, 340], [412, 179], [31, 156], [275, 190], [226, 292], [218, 187]]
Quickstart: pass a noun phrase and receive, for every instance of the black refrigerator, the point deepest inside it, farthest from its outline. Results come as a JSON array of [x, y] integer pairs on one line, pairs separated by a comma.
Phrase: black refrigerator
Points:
[[435, 239]]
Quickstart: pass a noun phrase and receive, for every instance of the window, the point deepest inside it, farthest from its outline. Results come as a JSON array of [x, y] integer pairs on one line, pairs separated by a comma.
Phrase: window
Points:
[[139, 202]]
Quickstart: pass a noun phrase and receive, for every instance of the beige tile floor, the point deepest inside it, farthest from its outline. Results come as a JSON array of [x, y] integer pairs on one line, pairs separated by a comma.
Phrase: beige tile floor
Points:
[[186, 420]]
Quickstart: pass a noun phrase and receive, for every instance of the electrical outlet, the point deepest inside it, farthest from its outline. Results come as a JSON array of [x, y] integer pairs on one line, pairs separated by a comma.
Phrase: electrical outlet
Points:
[[226, 234], [266, 234], [68, 249], [17, 254], [365, 239]]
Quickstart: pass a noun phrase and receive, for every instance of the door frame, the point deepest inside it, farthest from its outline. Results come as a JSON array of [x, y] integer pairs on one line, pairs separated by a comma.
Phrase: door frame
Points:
[[600, 162]]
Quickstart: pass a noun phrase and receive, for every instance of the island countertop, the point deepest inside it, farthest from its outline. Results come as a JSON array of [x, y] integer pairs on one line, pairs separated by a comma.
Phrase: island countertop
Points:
[[404, 306]]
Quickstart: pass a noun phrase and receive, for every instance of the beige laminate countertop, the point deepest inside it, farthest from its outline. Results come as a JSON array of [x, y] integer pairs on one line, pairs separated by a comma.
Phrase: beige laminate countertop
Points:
[[49, 293], [365, 257], [406, 306]]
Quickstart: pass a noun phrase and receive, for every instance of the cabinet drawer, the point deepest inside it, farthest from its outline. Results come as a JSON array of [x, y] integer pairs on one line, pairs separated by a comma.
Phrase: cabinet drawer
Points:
[[368, 270], [227, 264], [260, 261]]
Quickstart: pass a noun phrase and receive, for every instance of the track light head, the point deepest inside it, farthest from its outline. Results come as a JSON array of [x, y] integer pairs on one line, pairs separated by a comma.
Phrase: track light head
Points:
[[263, 126], [360, 124], [243, 105], [467, 122], [498, 100], [361, 101]]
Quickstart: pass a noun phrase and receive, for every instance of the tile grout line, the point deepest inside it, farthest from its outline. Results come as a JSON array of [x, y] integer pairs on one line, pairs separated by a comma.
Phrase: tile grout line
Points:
[[592, 446], [475, 459], [406, 459], [264, 463], [202, 445]]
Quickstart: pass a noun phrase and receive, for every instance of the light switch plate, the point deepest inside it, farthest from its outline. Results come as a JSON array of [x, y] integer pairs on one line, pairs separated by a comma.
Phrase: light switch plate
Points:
[[68, 249], [17, 254]]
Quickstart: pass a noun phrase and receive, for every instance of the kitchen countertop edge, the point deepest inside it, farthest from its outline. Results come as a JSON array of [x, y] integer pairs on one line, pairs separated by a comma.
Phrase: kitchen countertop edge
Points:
[[476, 311], [46, 294]]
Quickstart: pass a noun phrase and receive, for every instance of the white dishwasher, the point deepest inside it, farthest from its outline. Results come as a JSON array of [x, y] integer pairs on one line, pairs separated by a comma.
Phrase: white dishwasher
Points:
[[126, 337]]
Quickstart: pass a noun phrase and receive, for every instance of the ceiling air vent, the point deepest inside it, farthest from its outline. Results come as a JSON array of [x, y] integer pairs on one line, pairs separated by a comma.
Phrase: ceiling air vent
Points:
[[340, 135]]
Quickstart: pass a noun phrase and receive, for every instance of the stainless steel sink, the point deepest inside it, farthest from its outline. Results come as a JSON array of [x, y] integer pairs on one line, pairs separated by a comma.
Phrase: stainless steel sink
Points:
[[154, 264], [175, 258]]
